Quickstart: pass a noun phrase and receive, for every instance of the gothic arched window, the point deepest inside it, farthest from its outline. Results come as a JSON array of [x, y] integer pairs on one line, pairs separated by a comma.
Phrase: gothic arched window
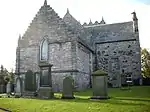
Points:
[[44, 50]]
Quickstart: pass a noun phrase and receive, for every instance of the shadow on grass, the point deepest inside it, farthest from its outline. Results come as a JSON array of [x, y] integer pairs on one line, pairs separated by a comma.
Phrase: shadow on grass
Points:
[[113, 101], [109, 101], [133, 99]]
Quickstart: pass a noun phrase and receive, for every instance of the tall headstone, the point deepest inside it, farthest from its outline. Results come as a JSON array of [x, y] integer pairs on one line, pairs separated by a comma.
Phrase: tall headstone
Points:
[[30, 81], [68, 88], [18, 89], [2, 88], [99, 85], [8, 88], [45, 90]]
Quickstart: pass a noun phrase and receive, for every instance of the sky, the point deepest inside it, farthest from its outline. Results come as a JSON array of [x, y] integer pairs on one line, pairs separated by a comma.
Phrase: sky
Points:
[[16, 15]]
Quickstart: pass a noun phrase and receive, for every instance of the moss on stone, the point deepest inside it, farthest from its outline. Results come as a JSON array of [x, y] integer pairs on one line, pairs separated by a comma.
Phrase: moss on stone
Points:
[[99, 73]]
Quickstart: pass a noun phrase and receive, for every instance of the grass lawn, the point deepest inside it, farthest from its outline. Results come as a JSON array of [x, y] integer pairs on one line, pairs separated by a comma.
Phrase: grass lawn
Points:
[[135, 100]]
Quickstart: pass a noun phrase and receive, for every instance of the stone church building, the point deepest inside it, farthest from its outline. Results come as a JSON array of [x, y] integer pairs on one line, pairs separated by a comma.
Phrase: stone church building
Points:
[[77, 50]]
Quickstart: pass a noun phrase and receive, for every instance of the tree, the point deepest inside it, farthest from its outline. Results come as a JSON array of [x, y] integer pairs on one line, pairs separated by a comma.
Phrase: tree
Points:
[[6, 76], [145, 62]]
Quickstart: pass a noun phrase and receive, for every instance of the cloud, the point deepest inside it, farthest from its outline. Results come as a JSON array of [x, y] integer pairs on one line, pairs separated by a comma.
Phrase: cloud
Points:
[[16, 15]]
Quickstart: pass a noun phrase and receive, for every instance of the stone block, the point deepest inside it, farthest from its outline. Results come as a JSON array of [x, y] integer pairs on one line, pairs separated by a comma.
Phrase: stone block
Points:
[[99, 85], [17, 95], [45, 93]]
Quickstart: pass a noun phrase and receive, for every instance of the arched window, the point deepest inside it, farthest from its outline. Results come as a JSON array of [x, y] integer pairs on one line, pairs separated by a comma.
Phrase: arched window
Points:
[[44, 50]]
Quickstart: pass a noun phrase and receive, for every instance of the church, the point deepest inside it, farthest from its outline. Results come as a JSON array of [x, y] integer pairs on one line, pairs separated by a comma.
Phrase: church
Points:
[[77, 50]]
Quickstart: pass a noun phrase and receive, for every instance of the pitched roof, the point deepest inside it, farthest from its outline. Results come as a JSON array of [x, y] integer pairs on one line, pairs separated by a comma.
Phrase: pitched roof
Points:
[[77, 29], [72, 23]]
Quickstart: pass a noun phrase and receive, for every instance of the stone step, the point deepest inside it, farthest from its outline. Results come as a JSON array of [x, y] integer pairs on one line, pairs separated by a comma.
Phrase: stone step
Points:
[[28, 93]]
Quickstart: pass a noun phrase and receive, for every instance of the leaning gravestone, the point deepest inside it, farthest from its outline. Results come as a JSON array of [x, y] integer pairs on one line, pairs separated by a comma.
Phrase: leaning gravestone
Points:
[[99, 85], [68, 88], [18, 89]]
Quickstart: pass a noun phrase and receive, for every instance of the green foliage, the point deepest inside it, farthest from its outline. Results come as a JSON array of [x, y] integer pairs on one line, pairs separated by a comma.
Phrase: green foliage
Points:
[[145, 62], [5, 76], [121, 101]]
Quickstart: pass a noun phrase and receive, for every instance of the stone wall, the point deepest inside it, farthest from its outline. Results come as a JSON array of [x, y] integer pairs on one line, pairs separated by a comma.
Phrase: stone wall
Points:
[[126, 52], [83, 59], [81, 80], [117, 48], [60, 56], [29, 59], [46, 24], [84, 65]]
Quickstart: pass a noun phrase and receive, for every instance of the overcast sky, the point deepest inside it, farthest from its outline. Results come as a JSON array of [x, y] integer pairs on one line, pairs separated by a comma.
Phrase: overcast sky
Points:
[[16, 16]]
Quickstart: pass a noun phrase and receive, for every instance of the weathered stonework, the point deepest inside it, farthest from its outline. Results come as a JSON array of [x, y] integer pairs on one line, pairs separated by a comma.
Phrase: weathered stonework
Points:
[[77, 50]]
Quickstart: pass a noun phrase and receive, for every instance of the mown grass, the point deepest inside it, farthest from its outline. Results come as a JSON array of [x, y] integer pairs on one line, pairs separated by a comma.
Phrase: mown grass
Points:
[[137, 99]]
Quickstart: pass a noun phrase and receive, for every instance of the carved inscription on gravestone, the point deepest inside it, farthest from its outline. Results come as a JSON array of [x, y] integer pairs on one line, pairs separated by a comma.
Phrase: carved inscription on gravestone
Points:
[[45, 77]]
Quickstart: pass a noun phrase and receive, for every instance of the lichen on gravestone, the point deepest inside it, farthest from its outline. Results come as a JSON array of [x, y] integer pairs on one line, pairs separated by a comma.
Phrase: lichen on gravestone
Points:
[[99, 73]]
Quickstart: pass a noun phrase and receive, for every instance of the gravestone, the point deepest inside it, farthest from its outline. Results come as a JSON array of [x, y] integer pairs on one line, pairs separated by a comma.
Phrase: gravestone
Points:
[[2, 88], [37, 81], [68, 88], [8, 88], [30, 81], [141, 82], [99, 85], [18, 89], [45, 89]]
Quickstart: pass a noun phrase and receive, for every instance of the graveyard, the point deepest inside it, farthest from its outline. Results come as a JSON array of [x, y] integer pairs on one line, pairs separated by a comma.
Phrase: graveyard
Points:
[[132, 100], [63, 65], [99, 97]]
